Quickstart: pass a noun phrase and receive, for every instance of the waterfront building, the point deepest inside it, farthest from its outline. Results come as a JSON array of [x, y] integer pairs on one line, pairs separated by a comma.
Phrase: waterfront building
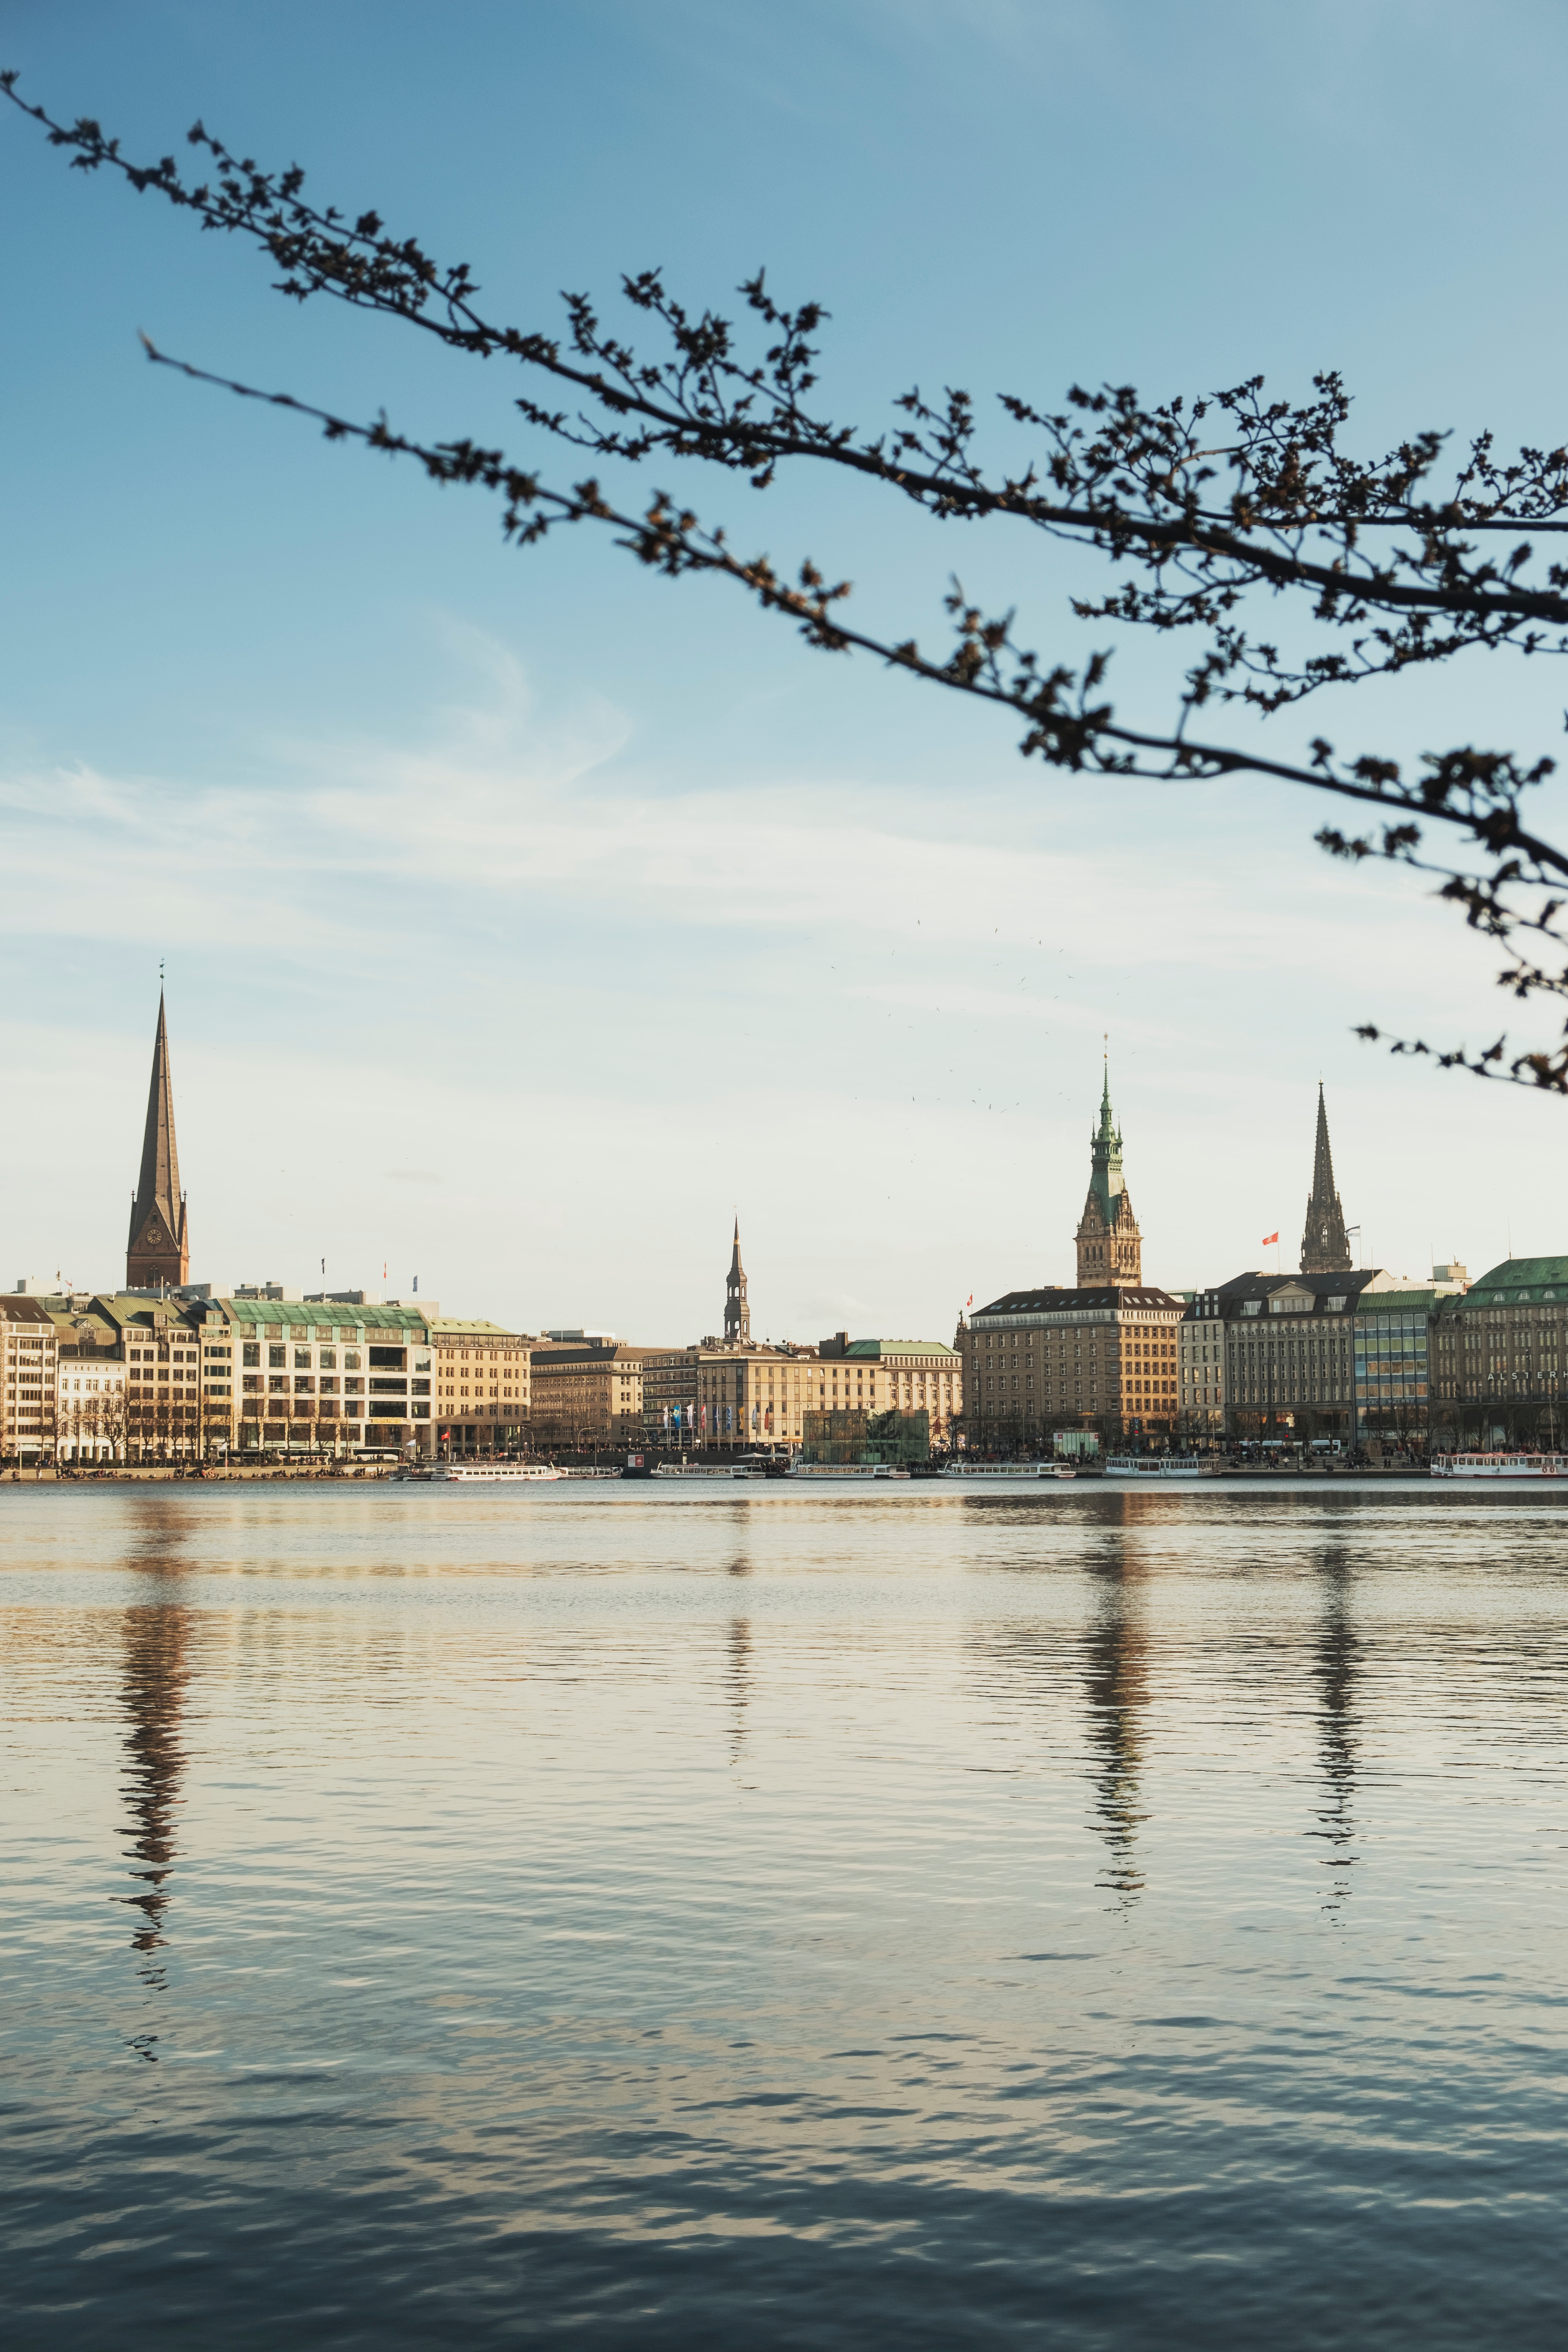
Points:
[[1289, 1351], [482, 1385], [323, 1376], [1110, 1245], [90, 1422], [914, 1376], [587, 1394], [717, 1395], [29, 1374], [1200, 1374], [1103, 1358], [158, 1254], [1392, 1365], [1324, 1248], [1497, 1355], [161, 1350]]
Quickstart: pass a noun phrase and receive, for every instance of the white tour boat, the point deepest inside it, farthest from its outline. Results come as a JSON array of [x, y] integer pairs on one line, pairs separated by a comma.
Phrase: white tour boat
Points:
[[1499, 1465], [1158, 1466], [509, 1472], [990, 1470]]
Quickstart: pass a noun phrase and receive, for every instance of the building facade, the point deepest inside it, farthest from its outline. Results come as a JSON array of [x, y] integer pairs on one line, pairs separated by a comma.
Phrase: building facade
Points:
[[89, 1403], [1392, 1384], [1290, 1352], [917, 1376], [1036, 1361], [1110, 1245], [158, 1252], [587, 1394], [1497, 1358], [29, 1379], [482, 1386], [1200, 1374], [325, 1377]]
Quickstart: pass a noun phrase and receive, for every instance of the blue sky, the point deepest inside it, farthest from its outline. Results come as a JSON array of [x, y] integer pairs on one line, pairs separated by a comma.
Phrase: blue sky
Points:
[[524, 915]]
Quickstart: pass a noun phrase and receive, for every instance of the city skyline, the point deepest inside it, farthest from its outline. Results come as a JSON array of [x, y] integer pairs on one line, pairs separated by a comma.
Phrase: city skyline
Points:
[[158, 1249], [438, 838]]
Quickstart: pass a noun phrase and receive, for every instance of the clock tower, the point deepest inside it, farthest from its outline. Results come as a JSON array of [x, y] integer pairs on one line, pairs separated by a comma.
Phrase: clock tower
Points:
[[158, 1254]]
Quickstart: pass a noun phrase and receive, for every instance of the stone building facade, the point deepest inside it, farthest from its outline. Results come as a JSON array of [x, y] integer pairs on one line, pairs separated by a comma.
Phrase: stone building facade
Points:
[[29, 1374], [1101, 1358], [482, 1386], [1497, 1361], [1290, 1352], [587, 1394]]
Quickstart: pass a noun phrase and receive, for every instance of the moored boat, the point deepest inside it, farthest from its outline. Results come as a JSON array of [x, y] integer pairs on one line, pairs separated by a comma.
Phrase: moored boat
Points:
[[1160, 1466], [492, 1472], [1499, 1465]]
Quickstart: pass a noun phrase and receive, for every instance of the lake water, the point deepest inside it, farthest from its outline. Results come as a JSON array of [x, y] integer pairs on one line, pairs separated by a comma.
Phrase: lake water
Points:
[[609, 1915]]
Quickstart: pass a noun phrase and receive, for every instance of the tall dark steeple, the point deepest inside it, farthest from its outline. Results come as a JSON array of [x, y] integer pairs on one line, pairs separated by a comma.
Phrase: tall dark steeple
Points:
[[159, 1250], [737, 1314], [1324, 1249], [1110, 1245]]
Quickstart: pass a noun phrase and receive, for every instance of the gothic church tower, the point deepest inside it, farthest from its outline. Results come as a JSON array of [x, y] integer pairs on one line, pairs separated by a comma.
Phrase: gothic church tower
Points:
[[1324, 1248], [1110, 1245], [737, 1314], [159, 1250]]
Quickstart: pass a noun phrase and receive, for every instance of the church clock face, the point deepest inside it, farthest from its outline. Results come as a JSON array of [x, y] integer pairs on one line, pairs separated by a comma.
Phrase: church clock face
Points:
[[153, 1235]]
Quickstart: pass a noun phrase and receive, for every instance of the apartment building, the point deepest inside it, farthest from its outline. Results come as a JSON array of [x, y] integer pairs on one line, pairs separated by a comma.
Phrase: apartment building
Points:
[[483, 1385], [587, 1393], [29, 1374]]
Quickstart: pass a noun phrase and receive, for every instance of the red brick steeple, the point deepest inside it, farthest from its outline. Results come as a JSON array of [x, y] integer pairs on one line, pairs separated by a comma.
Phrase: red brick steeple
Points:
[[159, 1250]]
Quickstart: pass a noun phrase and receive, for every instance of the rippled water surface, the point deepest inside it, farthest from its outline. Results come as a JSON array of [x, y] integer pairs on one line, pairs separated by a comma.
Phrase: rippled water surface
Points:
[[684, 1915]]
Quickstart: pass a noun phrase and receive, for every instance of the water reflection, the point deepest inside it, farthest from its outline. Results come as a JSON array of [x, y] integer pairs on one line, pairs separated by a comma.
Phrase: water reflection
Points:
[[1116, 1686], [738, 1665], [155, 1637], [1335, 1666]]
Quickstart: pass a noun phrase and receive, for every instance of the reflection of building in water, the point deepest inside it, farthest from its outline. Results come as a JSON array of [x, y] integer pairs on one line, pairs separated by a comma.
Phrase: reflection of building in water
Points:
[[1116, 1686], [738, 1682], [1334, 1670], [152, 1692]]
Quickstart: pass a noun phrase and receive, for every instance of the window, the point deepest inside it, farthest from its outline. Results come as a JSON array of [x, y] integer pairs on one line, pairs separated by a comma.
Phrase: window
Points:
[[351, 1361], [329, 1360], [251, 1352], [302, 1361], [277, 1357]]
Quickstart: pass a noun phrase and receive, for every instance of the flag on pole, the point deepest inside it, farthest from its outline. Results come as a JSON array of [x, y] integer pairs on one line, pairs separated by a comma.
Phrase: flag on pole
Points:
[[1267, 1238]]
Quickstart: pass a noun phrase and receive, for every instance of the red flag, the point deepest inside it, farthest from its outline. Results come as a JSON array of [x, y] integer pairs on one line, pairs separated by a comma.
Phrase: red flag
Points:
[[1270, 1237]]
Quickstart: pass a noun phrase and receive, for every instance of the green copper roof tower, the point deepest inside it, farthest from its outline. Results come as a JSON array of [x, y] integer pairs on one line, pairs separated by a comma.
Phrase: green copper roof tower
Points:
[[1110, 1245]]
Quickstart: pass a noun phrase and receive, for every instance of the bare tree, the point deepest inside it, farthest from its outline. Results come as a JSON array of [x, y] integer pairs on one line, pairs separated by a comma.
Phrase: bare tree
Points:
[[1207, 513], [114, 1420]]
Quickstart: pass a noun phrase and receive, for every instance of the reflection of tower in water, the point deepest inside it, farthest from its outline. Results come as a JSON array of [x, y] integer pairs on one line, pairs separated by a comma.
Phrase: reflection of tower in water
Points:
[[738, 1667], [1116, 1686], [154, 1640], [1334, 1668]]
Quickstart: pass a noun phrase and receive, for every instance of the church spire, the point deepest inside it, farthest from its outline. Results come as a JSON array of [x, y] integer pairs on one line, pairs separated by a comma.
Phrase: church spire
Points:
[[158, 1252], [1324, 1247], [737, 1314]]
